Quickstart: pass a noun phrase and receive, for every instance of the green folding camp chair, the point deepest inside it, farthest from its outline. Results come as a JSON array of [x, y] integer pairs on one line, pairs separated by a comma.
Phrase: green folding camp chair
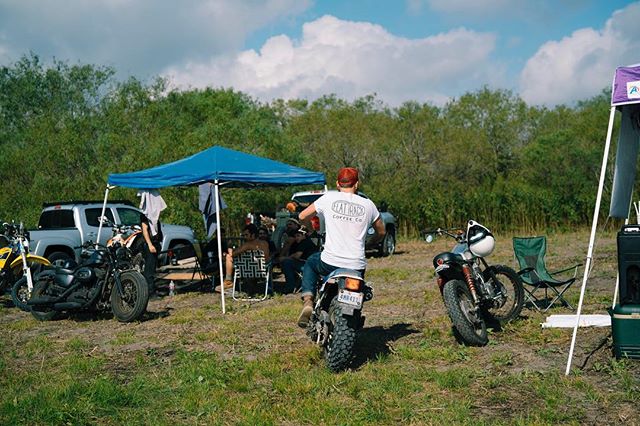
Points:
[[530, 252]]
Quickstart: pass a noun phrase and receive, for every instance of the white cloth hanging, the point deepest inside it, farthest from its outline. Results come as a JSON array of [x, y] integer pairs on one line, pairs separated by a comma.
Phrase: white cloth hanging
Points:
[[152, 204]]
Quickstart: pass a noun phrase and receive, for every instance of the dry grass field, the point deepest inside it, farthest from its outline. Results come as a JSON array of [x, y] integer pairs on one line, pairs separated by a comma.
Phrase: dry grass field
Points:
[[186, 363]]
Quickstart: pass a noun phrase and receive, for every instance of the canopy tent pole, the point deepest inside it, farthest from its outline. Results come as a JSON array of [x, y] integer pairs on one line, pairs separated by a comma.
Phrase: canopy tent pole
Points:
[[219, 235], [594, 226], [104, 208]]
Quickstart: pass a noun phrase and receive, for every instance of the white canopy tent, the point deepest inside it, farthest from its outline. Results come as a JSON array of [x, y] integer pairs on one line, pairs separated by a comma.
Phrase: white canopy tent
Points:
[[625, 97]]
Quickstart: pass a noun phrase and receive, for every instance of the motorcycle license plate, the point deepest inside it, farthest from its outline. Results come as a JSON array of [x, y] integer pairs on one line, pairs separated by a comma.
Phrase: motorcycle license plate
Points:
[[350, 298]]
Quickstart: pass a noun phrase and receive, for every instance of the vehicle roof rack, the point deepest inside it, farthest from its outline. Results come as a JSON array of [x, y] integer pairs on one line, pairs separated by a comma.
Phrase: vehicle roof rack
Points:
[[73, 202]]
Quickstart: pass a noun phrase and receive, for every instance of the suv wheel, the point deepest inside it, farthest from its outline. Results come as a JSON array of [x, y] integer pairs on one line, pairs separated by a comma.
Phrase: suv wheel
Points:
[[388, 245]]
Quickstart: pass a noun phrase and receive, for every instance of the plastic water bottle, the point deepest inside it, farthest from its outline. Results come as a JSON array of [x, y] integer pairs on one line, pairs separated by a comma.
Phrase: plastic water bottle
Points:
[[172, 288]]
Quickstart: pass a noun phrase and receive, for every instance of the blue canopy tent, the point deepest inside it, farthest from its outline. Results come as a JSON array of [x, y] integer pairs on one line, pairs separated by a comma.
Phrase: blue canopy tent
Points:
[[625, 98], [221, 167]]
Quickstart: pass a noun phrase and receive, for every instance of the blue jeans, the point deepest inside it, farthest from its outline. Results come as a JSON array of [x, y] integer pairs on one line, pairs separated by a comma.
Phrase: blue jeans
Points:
[[290, 269], [314, 270]]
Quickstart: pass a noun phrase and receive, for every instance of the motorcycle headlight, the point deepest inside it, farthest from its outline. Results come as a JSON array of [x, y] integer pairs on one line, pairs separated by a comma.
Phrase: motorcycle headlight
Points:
[[371, 231]]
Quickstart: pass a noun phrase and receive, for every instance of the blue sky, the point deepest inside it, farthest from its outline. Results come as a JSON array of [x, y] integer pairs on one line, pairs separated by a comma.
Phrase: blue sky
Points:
[[549, 52]]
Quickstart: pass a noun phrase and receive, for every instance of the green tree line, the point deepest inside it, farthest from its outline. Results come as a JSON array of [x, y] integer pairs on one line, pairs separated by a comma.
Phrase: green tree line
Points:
[[486, 155]]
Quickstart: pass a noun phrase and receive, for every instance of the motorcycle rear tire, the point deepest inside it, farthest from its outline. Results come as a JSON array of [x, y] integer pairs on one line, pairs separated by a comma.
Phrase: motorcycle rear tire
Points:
[[458, 301], [515, 294], [19, 294], [137, 253], [338, 351], [45, 315], [135, 298]]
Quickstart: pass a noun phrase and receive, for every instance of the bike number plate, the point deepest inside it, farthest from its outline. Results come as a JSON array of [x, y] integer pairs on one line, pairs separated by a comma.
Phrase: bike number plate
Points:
[[350, 298]]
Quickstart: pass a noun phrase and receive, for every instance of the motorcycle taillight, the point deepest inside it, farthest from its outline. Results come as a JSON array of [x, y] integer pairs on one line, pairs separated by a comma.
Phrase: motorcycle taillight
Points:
[[315, 223], [352, 284]]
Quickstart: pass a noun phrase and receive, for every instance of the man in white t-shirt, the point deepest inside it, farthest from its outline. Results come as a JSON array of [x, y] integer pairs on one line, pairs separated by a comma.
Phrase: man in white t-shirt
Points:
[[347, 216]]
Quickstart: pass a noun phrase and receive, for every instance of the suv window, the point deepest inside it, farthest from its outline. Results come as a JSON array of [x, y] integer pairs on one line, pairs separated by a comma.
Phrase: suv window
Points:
[[129, 217], [92, 216], [53, 219]]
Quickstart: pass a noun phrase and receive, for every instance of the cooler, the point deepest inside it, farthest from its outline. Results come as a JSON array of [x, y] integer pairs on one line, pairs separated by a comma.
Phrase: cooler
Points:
[[629, 264], [625, 329]]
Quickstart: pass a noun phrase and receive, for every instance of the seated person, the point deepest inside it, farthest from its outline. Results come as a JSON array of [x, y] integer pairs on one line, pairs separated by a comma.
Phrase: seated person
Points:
[[299, 251], [263, 234], [251, 242], [291, 228]]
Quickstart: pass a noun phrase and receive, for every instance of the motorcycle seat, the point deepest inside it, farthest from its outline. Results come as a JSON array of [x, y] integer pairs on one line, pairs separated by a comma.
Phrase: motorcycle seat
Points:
[[343, 272], [448, 257]]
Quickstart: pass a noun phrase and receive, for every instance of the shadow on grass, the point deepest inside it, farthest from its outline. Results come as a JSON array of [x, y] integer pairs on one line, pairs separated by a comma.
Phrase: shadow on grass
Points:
[[7, 303], [373, 342], [90, 316]]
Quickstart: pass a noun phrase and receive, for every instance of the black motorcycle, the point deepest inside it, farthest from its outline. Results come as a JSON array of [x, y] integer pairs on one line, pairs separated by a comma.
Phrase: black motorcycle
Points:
[[104, 280], [474, 292], [337, 315]]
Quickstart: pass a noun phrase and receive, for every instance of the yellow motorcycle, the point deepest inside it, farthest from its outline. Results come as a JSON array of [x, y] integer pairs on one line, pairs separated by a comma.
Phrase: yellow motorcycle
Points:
[[16, 264]]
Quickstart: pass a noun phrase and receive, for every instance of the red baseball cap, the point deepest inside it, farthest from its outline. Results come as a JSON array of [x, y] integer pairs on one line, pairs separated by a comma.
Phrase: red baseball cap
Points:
[[347, 177]]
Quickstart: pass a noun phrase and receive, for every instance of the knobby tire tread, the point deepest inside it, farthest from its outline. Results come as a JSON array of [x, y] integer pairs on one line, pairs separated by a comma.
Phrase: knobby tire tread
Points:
[[458, 319], [339, 349]]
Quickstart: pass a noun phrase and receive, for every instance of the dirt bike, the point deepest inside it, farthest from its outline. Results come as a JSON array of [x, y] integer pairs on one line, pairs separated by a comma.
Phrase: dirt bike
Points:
[[337, 315], [103, 281], [16, 262], [474, 292], [130, 237]]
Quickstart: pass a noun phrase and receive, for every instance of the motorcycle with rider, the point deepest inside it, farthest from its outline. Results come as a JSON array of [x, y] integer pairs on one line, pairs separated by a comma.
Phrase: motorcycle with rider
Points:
[[333, 285]]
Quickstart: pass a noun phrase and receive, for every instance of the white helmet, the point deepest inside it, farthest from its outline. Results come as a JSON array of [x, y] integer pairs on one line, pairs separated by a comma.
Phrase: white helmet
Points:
[[480, 239]]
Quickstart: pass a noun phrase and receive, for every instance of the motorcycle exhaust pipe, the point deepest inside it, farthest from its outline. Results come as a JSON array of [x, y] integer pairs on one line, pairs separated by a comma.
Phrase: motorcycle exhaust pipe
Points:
[[63, 306]]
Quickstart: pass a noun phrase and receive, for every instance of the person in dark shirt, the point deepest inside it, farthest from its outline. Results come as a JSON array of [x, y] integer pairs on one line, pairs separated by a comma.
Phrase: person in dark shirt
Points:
[[292, 264], [150, 250]]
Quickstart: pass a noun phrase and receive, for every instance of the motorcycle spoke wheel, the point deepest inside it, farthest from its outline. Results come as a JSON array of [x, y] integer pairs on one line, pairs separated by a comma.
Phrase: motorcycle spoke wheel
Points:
[[509, 284], [20, 294], [135, 295], [338, 351], [464, 316]]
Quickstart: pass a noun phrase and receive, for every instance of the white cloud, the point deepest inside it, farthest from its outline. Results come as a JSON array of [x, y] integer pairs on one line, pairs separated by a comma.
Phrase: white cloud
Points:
[[352, 59], [581, 65], [136, 36]]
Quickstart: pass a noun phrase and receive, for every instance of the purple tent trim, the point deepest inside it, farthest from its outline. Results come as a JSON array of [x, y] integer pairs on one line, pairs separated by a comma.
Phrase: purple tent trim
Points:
[[626, 85]]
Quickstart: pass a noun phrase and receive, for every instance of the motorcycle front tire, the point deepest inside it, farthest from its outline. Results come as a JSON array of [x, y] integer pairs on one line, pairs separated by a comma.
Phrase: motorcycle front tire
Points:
[[135, 297], [338, 350], [46, 315], [459, 302], [20, 294]]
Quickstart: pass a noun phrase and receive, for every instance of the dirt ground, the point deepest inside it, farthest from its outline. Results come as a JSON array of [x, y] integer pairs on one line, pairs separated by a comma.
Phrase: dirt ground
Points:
[[406, 308]]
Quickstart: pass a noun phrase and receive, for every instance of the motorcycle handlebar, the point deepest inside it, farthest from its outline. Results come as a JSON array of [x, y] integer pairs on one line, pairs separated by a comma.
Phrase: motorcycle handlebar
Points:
[[455, 233]]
